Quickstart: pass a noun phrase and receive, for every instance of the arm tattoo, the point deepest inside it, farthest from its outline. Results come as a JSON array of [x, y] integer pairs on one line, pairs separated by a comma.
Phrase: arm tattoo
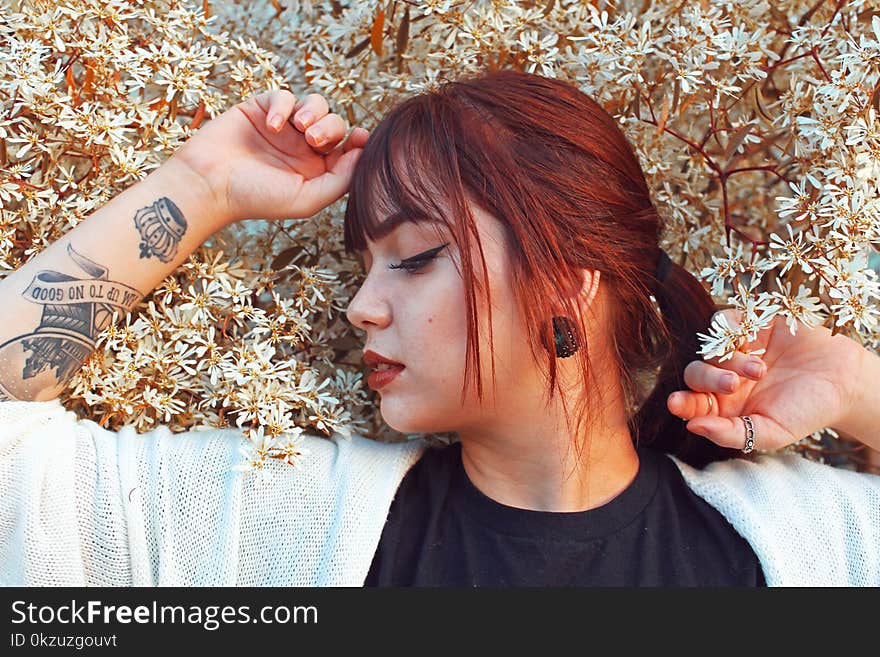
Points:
[[160, 225], [75, 310]]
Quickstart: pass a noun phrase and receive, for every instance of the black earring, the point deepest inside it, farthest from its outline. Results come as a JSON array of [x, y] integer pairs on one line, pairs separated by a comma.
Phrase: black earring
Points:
[[564, 332]]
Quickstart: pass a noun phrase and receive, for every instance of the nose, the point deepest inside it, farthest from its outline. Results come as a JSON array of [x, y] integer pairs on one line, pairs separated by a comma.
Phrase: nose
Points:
[[369, 307]]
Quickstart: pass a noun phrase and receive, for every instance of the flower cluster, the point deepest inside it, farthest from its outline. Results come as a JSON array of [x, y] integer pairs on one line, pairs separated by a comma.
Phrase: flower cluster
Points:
[[94, 96], [755, 122]]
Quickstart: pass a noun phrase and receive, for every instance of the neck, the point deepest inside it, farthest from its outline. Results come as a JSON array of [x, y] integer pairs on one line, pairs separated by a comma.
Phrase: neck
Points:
[[528, 459]]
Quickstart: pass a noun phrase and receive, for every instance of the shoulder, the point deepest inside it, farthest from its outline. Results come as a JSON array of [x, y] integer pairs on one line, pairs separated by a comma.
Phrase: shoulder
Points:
[[778, 474], [811, 524], [311, 524], [177, 497], [358, 457], [201, 456]]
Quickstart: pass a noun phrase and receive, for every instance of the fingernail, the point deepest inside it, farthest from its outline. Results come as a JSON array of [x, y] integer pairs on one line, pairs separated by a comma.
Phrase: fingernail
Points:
[[753, 370], [728, 382], [318, 137], [275, 121], [304, 120]]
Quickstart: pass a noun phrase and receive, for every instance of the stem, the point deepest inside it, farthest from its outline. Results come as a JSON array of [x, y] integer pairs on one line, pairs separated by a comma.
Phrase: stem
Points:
[[768, 167], [813, 52], [837, 9]]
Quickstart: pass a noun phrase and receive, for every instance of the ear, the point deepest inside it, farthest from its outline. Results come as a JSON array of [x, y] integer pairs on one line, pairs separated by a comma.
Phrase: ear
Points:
[[589, 287], [583, 288]]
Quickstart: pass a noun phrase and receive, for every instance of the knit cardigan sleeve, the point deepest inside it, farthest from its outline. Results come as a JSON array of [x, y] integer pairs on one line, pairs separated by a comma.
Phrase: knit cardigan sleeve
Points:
[[809, 524], [83, 506]]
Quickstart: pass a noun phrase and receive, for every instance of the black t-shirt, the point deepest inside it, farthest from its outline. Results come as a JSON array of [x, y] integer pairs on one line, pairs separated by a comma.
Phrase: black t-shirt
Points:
[[443, 531]]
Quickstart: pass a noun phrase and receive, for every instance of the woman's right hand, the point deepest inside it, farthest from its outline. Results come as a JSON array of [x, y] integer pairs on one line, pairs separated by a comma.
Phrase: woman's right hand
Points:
[[258, 171]]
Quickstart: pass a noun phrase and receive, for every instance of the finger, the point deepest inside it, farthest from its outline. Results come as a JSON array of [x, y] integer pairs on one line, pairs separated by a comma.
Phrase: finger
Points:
[[687, 404], [341, 162], [326, 133], [750, 366], [331, 186], [731, 431], [281, 104], [703, 377], [357, 139], [355, 143], [310, 109]]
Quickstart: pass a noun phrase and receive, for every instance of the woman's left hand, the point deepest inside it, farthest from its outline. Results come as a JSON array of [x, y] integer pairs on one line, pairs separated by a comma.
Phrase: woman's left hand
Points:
[[807, 382]]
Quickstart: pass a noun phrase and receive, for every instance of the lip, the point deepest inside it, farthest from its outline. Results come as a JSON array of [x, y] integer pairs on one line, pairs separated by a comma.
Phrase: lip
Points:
[[373, 359], [379, 379]]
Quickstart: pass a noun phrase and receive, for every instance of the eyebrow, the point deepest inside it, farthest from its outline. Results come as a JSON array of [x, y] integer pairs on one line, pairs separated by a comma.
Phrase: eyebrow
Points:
[[396, 220], [416, 216]]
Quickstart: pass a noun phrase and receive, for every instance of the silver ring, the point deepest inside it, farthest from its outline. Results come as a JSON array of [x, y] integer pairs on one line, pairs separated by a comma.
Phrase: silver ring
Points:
[[750, 434], [711, 402]]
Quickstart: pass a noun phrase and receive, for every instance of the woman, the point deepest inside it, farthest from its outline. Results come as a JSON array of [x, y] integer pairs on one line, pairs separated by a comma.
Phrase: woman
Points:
[[521, 242]]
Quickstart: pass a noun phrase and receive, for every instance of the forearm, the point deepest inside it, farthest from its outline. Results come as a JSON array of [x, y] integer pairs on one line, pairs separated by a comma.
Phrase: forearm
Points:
[[863, 419], [55, 305]]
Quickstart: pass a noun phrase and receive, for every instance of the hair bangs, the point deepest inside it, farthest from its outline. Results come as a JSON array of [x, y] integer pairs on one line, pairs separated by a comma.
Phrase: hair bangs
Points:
[[403, 174]]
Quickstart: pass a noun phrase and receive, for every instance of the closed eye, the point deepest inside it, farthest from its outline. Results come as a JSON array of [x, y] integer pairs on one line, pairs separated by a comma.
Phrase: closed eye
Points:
[[418, 261]]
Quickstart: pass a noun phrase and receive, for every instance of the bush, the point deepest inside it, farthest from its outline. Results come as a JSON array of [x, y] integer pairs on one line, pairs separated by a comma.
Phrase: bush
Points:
[[755, 122]]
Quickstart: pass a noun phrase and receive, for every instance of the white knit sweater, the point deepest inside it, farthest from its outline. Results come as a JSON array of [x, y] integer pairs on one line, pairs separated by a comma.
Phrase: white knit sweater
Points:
[[80, 505]]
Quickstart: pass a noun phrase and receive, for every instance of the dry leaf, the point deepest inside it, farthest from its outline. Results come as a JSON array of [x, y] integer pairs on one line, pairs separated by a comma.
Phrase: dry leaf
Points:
[[358, 48], [735, 140], [376, 33], [664, 116], [284, 258], [198, 116], [403, 33], [759, 104]]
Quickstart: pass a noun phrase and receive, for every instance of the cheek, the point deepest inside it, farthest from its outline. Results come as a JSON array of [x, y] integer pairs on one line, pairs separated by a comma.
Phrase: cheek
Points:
[[437, 337], [508, 330], [444, 339]]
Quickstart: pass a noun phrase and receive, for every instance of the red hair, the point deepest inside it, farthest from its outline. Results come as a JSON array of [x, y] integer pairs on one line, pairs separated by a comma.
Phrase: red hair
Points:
[[550, 164]]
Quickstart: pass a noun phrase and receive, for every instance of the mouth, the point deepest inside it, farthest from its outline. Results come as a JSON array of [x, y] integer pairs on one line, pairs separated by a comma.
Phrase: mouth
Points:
[[383, 375]]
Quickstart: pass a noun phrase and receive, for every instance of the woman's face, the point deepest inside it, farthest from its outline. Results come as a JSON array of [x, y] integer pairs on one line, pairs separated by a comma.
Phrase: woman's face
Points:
[[418, 318]]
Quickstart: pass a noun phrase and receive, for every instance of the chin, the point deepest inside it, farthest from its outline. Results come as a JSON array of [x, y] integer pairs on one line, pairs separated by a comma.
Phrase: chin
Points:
[[407, 421]]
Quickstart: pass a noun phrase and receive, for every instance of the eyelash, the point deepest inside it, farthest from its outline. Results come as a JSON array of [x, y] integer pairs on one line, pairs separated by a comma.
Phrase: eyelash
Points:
[[413, 266]]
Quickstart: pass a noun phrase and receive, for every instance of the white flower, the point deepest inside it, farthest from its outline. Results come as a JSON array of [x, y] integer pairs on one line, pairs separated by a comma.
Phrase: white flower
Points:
[[97, 94], [802, 307], [436, 6], [540, 51], [688, 79], [129, 163], [802, 204], [822, 132], [723, 268], [723, 339], [854, 306], [865, 130], [165, 404], [792, 251]]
